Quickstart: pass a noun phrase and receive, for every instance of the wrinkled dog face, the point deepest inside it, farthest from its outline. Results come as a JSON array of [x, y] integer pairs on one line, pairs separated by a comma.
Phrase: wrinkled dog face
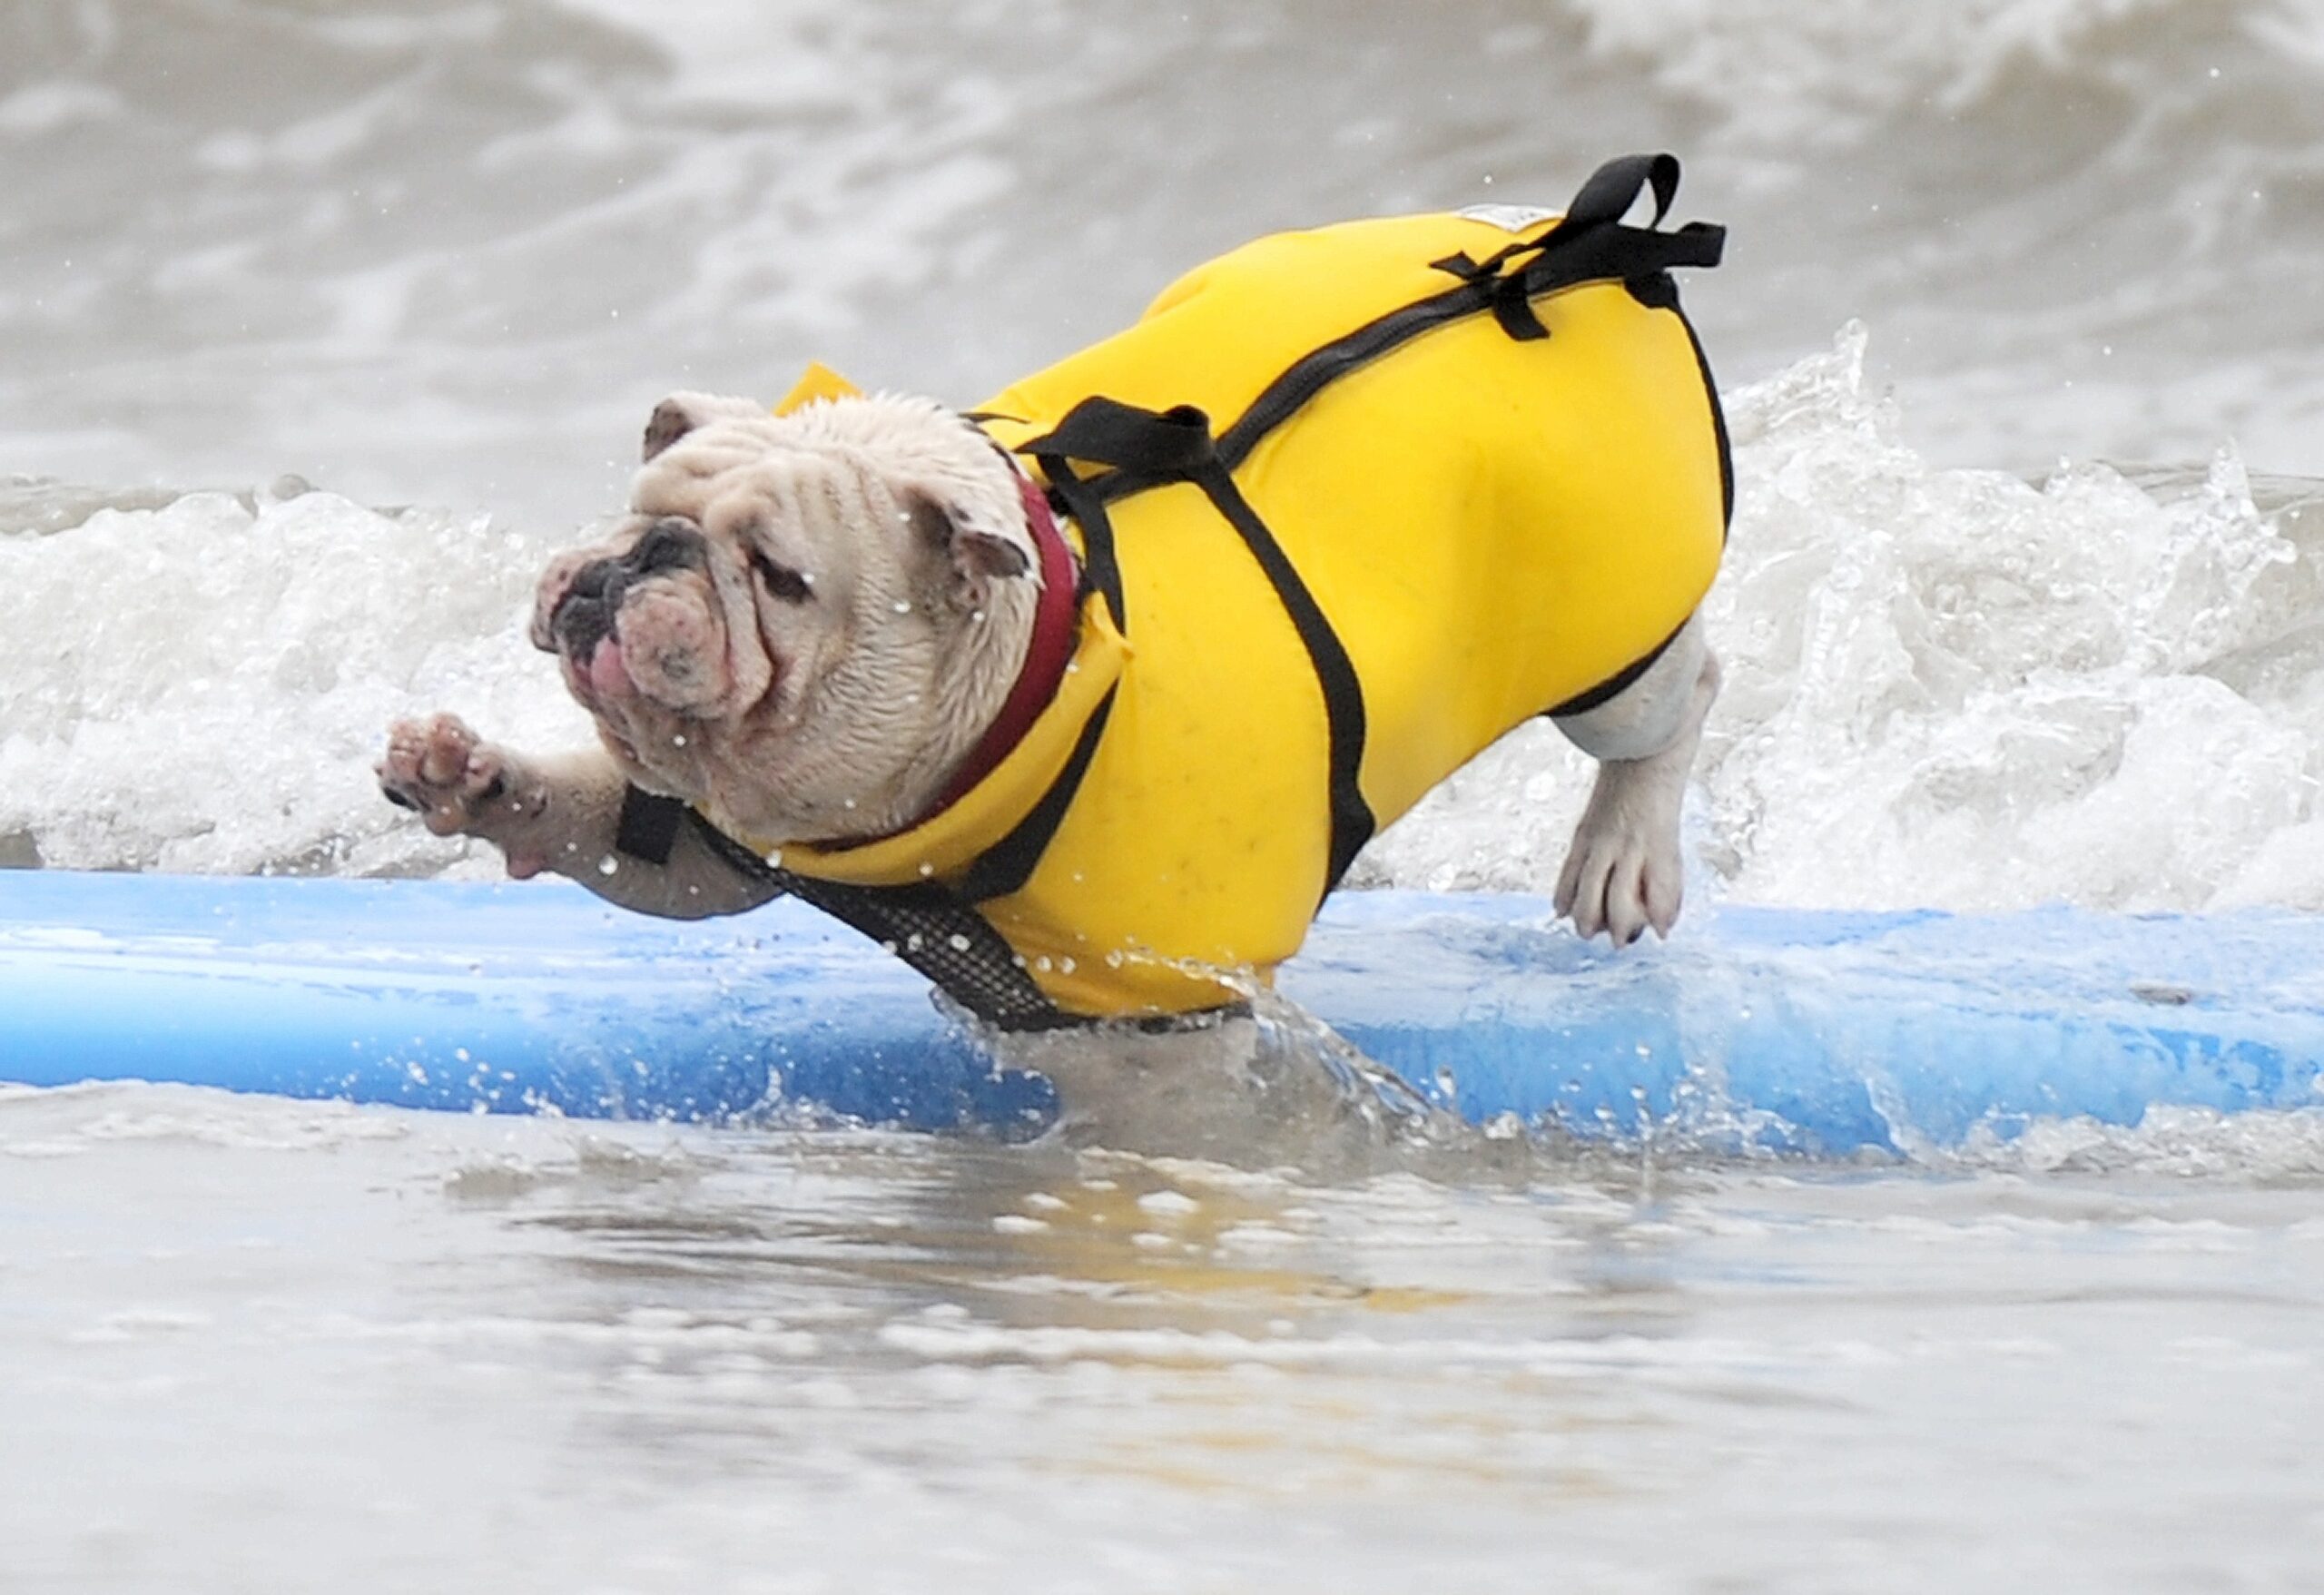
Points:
[[808, 619]]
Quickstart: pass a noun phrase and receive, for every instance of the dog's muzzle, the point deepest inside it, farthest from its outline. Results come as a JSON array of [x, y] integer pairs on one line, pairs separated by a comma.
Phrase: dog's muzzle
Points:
[[583, 616]]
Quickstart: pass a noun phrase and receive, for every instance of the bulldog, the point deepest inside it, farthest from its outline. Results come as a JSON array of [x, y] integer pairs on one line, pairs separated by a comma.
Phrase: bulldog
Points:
[[873, 641]]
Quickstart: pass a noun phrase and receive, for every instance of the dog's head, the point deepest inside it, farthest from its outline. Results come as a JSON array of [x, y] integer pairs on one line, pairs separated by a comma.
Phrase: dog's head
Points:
[[807, 620]]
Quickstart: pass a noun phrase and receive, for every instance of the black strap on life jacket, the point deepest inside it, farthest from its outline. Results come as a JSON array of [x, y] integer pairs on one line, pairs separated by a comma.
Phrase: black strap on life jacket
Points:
[[1176, 444], [926, 925], [937, 930]]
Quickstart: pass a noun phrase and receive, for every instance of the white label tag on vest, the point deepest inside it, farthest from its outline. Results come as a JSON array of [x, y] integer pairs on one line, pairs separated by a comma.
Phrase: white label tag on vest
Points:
[[1508, 218]]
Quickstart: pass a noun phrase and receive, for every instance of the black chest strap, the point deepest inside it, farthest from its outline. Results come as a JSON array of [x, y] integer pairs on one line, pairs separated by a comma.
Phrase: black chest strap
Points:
[[929, 927]]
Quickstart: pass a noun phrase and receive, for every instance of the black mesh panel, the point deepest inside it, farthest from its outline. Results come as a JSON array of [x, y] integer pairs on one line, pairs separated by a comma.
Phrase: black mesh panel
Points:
[[928, 927]]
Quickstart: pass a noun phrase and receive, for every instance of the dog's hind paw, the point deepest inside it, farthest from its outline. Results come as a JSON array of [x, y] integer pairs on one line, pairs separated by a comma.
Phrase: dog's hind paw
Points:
[[1625, 873], [1620, 891]]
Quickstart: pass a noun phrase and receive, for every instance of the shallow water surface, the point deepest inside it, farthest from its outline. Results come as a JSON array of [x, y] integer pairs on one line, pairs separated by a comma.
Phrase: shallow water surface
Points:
[[247, 1343]]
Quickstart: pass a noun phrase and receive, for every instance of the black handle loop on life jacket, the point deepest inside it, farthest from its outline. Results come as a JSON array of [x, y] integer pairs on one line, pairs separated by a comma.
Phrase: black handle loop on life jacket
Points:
[[1590, 242], [1141, 448], [1612, 189]]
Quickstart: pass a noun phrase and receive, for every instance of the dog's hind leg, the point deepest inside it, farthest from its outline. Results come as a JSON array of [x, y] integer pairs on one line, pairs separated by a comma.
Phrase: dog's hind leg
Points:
[[1624, 872]]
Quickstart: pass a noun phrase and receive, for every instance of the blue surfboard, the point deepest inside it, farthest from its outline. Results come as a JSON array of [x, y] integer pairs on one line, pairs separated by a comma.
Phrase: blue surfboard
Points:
[[1821, 1032]]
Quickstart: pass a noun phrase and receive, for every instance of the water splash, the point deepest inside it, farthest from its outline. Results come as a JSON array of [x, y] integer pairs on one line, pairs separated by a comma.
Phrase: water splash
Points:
[[204, 685], [1961, 689]]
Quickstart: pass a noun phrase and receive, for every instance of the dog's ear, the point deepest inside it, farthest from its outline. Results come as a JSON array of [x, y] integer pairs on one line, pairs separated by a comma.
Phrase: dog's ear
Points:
[[979, 556], [681, 413]]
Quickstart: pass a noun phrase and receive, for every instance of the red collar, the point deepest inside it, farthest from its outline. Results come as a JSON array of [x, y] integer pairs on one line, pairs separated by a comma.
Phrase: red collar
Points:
[[1045, 655]]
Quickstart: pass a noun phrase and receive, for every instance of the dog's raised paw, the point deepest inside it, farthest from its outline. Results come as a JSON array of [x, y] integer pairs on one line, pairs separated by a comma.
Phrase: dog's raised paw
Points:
[[439, 768]]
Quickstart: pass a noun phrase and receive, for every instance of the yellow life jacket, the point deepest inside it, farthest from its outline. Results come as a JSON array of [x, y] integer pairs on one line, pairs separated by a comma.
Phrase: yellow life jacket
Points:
[[1468, 468]]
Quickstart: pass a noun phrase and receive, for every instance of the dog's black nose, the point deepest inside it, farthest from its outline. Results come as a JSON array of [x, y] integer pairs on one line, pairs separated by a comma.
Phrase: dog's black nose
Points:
[[670, 543], [585, 616], [594, 581]]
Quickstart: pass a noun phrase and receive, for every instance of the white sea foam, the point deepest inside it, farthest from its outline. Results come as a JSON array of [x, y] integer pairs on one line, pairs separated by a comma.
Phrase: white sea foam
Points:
[[202, 686], [1958, 688]]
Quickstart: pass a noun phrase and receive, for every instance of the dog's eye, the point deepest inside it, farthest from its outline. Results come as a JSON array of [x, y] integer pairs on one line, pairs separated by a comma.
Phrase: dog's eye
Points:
[[793, 586]]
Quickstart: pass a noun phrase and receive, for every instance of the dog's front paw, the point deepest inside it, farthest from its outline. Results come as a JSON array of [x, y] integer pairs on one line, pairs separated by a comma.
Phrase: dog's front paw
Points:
[[458, 783]]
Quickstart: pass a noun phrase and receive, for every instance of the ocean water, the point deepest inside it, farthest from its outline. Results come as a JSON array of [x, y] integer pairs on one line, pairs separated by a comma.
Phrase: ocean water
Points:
[[325, 326], [248, 1345]]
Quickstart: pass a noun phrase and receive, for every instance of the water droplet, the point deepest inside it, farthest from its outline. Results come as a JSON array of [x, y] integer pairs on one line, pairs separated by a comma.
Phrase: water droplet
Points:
[[608, 866]]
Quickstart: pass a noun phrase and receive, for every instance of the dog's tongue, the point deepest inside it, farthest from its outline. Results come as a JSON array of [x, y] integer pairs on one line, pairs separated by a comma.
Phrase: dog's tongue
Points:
[[608, 675]]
